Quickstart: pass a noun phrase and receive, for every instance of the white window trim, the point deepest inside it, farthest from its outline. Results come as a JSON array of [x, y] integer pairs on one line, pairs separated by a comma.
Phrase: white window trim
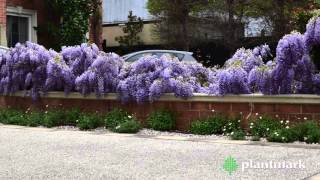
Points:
[[31, 15]]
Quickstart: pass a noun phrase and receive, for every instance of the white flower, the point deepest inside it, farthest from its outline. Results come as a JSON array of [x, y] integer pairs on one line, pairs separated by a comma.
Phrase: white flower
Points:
[[231, 133], [287, 127], [260, 117], [129, 117], [305, 138], [46, 112], [230, 124], [224, 130], [251, 124], [212, 110], [239, 120], [251, 127], [277, 115], [267, 129], [282, 137], [281, 122], [47, 105], [118, 127], [287, 121], [257, 114], [305, 118]]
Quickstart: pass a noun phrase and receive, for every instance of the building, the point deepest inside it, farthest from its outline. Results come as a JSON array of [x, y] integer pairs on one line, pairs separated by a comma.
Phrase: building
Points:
[[115, 14], [18, 20]]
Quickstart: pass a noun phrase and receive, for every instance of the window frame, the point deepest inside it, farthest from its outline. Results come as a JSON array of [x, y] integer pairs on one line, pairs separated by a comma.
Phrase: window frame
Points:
[[32, 20]]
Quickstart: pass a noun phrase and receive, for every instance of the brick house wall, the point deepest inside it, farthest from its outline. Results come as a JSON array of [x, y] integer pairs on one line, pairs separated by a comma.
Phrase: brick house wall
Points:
[[36, 5]]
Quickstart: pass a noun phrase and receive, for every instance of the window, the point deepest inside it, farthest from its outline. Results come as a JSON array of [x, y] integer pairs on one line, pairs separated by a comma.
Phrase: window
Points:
[[17, 30], [20, 25]]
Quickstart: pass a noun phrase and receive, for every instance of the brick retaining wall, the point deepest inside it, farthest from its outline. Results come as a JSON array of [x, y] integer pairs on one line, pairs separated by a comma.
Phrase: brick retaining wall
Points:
[[289, 107]]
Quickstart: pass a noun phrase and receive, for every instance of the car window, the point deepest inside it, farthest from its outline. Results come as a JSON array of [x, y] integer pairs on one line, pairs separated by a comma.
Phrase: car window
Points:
[[137, 57], [172, 55]]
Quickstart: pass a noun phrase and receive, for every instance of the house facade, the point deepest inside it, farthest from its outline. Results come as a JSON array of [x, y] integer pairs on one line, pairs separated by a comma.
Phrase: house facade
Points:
[[18, 20], [115, 15]]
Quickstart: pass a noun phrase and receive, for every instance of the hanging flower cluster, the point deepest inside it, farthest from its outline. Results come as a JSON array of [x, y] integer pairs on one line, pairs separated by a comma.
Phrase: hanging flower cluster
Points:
[[85, 69]]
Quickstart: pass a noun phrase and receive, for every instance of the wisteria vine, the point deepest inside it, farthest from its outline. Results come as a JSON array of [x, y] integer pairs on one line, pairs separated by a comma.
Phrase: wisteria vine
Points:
[[31, 68]]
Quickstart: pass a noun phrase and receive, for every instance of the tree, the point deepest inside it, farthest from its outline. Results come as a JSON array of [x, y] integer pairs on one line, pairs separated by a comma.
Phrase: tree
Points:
[[96, 23], [68, 22], [174, 26], [131, 30]]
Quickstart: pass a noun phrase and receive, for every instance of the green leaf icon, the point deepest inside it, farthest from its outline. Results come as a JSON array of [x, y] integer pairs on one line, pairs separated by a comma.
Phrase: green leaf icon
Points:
[[230, 165]]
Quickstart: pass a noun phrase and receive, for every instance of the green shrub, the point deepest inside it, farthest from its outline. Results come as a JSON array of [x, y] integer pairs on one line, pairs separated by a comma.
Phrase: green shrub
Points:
[[116, 117], [34, 118], [238, 135], [89, 121], [72, 116], [211, 125], [302, 130], [130, 126], [283, 135], [231, 125], [53, 118], [264, 126], [162, 120], [12, 116], [313, 136], [201, 127]]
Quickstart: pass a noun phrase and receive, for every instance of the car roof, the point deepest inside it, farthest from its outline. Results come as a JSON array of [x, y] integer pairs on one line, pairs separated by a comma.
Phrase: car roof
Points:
[[156, 50]]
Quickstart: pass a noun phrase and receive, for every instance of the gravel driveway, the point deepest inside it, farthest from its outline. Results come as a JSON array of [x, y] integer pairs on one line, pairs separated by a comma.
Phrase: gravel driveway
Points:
[[39, 153]]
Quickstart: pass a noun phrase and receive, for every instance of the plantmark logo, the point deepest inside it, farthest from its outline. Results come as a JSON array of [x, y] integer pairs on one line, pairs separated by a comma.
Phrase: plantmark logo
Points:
[[230, 165]]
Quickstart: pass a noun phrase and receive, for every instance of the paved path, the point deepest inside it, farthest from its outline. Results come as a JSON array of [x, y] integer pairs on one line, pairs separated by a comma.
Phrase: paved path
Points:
[[39, 153]]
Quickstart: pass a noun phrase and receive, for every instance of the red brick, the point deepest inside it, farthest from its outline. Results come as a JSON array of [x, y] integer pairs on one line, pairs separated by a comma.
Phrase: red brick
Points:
[[185, 118], [180, 106], [205, 114], [240, 107], [310, 108], [264, 108], [221, 107], [288, 108], [200, 106]]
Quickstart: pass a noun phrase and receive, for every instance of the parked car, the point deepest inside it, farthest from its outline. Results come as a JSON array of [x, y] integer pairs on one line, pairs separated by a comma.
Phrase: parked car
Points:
[[3, 50], [183, 56]]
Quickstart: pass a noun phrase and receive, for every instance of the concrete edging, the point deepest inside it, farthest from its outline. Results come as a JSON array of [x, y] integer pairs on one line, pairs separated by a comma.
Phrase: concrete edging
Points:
[[198, 97]]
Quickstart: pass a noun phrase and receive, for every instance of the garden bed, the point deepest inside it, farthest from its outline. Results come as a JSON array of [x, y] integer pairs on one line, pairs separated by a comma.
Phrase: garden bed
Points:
[[295, 108]]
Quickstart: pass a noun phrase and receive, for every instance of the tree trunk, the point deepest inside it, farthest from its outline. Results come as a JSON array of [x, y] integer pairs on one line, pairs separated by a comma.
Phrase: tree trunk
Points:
[[95, 34]]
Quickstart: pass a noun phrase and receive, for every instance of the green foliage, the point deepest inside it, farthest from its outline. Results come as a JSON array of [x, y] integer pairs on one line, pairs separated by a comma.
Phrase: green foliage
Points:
[[162, 120], [131, 30], [232, 125], [70, 22], [89, 121], [116, 117], [129, 126], [263, 126], [120, 121], [53, 118], [211, 125], [307, 131], [238, 135], [72, 116], [34, 118], [284, 135]]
